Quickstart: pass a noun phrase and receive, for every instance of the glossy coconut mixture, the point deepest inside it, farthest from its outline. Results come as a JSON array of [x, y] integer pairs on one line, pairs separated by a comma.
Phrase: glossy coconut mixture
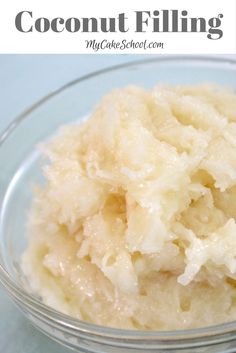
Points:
[[135, 225]]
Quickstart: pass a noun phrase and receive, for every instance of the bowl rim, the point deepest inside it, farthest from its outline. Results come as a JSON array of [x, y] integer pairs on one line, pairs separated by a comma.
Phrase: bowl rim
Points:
[[19, 294]]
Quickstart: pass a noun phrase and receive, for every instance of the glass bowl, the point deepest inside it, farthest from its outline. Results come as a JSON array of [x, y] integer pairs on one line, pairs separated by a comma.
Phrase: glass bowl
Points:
[[20, 163]]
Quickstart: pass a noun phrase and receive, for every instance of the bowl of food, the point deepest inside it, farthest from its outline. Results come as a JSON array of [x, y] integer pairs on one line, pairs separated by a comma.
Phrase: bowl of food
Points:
[[118, 209]]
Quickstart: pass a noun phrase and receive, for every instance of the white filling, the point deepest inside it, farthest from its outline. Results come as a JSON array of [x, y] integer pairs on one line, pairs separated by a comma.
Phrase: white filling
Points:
[[135, 227]]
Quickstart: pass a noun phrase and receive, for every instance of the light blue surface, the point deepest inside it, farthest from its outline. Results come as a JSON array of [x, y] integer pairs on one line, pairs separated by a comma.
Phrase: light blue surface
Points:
[[23, 80]]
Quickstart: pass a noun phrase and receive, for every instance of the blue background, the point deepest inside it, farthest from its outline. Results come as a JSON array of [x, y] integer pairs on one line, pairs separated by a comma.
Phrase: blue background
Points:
[[25, 79]]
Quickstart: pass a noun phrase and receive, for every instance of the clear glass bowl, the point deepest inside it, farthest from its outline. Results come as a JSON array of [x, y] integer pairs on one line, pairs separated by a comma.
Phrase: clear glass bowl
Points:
[[20, 167]]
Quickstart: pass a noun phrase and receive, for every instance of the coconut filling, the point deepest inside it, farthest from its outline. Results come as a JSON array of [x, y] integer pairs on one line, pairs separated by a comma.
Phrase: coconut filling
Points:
[[135, 225]]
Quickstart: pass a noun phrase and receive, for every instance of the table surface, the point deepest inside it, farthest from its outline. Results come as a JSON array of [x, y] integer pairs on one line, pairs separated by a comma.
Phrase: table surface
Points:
[[25, 79]]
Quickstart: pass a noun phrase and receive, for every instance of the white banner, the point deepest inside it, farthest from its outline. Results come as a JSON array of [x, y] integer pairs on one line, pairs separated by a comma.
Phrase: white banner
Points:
[[123, 26]]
